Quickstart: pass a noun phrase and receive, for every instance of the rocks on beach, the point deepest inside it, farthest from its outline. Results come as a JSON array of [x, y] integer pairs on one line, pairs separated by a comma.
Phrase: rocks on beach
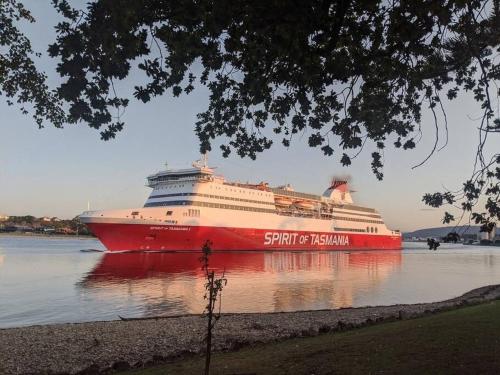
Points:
[[118, 345]]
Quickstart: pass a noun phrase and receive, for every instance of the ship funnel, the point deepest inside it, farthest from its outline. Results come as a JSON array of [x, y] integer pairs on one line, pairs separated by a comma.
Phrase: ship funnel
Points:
[[338, 192]]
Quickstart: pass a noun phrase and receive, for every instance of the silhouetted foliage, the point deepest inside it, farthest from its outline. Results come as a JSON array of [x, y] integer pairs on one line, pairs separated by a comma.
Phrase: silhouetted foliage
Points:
[[452, 237], [433, 244], [20, 81], [345, 74]]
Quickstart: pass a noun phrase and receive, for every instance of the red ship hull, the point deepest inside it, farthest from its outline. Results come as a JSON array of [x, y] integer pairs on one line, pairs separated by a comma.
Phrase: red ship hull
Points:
[[141, 237]]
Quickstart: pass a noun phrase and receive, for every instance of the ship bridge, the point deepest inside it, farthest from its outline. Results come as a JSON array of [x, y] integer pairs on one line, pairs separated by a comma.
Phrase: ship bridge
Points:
[[189, 174], [200, 172]]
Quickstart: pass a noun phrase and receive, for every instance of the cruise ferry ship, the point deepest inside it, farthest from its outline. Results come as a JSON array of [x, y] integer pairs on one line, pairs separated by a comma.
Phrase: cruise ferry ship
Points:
[[188, 207]]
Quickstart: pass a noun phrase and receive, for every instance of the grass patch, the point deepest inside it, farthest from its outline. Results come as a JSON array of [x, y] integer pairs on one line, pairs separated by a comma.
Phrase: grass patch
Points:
[[463, 341]]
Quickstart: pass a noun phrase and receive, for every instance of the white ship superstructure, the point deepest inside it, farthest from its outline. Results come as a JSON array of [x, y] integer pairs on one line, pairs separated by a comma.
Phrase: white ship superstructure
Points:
[[190, 206]]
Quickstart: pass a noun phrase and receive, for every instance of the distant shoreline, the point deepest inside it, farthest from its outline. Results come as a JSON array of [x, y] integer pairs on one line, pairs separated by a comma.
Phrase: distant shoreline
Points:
[[44, 235]]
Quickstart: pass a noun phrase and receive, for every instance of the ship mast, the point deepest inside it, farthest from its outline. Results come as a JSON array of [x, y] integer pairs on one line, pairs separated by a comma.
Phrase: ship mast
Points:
[[202, 162]]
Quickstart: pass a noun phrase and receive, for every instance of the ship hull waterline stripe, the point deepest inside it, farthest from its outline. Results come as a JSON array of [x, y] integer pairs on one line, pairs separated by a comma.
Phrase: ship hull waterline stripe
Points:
[[143, 237]]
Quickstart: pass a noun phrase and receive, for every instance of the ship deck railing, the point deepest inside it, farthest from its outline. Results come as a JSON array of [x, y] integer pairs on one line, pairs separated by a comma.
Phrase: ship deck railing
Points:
[[308, 214]]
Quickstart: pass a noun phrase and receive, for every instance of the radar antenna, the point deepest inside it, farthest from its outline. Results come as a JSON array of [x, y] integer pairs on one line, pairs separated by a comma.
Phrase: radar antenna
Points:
[[202, 162]]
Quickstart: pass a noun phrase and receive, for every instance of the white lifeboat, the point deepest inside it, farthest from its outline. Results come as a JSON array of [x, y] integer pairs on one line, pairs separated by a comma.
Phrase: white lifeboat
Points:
[[283, 201], [304, 204]]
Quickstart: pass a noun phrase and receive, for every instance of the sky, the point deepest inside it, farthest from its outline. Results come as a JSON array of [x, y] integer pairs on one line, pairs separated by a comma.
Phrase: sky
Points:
[[56, 172]]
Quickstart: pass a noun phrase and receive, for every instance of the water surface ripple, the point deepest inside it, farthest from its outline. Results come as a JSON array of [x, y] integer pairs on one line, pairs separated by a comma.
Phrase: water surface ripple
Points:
[[50, 280]]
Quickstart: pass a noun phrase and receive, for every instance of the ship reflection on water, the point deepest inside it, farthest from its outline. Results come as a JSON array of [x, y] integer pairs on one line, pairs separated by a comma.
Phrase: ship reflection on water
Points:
[[172, 283]]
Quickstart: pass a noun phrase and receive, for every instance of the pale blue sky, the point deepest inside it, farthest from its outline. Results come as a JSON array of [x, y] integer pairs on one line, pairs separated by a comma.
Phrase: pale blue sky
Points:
[[55, 172]]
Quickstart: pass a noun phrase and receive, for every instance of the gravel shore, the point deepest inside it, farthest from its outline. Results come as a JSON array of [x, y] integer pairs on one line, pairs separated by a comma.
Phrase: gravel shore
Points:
[[88, 348]]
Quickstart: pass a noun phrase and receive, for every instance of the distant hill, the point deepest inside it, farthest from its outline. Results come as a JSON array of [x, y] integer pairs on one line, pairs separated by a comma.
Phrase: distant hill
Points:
[[443, 231]]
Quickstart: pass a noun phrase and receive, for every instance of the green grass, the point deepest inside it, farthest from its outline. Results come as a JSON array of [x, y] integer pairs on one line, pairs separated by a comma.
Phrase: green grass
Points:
[[464, 341]]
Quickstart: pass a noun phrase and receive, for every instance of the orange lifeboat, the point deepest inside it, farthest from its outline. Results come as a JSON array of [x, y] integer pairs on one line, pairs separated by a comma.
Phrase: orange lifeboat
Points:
[[304, 204], [283, 201], [264, 186]]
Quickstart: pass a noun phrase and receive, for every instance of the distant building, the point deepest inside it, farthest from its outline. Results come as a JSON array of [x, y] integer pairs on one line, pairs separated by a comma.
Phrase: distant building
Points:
[[55, 219], [467, 237], [66, 230], [23, 228], [488, 236], [45, 218], [4, 217]]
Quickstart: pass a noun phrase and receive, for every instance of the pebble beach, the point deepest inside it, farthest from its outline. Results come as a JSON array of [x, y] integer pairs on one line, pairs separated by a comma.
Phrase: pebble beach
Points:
[[105, 347]]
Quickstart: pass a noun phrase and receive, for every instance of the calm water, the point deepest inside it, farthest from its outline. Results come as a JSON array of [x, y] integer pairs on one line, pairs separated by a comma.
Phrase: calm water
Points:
[[46, 280]]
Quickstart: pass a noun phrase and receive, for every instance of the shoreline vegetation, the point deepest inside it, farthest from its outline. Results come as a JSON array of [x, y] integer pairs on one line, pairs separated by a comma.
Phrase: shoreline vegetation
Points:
[[141, 344], [48, 235], [28, 224]]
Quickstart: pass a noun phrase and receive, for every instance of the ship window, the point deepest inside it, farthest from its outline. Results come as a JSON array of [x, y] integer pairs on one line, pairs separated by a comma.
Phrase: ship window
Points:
[[135, 213], [169, 213], [376, 230], [367, 229]]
